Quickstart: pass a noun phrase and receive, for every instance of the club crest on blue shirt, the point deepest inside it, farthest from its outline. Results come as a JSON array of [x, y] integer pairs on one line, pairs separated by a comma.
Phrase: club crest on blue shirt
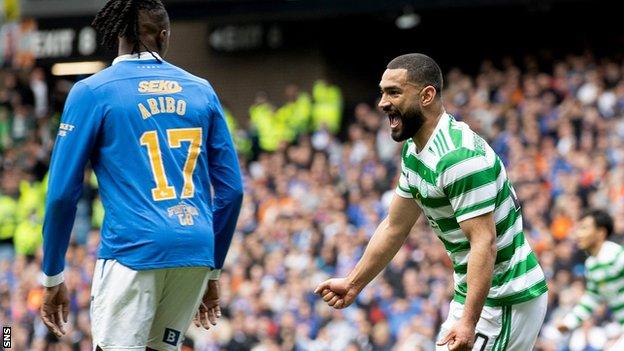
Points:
[[184, 212]]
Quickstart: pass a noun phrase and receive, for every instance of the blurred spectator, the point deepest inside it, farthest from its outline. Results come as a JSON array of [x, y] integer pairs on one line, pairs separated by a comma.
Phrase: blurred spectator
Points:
[[313, 201]]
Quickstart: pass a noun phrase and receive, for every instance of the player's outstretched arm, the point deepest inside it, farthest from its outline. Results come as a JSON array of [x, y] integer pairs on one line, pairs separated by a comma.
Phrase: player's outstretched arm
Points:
[[385, 243]]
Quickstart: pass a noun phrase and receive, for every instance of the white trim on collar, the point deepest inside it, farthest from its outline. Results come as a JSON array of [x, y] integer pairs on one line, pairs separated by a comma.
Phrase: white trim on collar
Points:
[[145, 55]]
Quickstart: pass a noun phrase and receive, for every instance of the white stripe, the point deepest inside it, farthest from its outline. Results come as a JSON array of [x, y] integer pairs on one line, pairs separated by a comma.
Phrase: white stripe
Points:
[[589, 301], [472, 214], [617, 300], [502, 241], [581, 312], [429, 158], [503, 210], [474, 196], [520, 283], [464, 168], [619, 315], [613, 270], [403, 194], [447, 137], [455, 237], [440, 212], [522, 251], [610, 289], [467, 136]]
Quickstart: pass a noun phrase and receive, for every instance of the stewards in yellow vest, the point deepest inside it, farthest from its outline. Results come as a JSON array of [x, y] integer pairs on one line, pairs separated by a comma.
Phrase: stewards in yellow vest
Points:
[[327, 109], [263, 120]]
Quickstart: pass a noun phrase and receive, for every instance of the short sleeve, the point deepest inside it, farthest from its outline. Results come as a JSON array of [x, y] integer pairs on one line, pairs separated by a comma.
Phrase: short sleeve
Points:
[[469, 181]]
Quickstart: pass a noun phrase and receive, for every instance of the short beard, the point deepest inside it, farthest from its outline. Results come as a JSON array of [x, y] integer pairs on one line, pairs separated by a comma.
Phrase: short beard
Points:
[[411, 122]]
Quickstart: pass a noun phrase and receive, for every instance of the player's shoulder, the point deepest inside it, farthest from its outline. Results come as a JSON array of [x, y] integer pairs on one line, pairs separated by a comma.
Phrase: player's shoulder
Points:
[[467, 156], [186, 75], [98, 79]]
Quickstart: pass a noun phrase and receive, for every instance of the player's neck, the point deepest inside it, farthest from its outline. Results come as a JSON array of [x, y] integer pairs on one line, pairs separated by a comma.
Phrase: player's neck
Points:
[[127, 48], [595, 249], [426, 130]]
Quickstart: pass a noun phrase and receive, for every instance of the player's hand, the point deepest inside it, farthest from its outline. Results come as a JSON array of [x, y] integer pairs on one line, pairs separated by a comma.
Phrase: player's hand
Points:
[[209, 310], [337, 292], [55, 308], [461, 337], [562, 328]]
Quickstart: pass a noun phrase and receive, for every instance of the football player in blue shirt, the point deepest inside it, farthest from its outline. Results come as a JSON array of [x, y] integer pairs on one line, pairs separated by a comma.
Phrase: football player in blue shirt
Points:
[[169, 181]]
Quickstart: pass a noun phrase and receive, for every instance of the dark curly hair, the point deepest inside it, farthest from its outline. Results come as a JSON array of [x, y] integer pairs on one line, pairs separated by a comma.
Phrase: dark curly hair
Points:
[[120, 18]]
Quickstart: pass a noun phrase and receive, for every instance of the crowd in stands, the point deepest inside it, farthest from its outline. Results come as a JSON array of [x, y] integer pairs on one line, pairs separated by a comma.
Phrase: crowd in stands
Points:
[[312, 201]]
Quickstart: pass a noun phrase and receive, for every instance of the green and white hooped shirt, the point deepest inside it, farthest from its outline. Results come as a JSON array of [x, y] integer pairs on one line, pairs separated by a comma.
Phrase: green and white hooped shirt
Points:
[[457, 176], [604, 274]]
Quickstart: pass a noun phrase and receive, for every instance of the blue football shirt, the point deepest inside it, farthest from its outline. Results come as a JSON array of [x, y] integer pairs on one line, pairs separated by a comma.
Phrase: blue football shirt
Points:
[[168, 174]]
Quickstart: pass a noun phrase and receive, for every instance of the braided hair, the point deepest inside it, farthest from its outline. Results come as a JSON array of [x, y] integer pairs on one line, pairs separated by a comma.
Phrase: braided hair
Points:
[[120, 18]]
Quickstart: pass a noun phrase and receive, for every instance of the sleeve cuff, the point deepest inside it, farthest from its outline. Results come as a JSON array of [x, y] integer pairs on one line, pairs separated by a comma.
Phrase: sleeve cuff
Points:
[[50, 281], [214, 274], [403, 193], [473, 214]]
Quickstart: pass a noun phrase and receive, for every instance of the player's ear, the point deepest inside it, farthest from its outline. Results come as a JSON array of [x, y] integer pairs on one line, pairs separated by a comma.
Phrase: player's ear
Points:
[[162, 41], [428, 95]]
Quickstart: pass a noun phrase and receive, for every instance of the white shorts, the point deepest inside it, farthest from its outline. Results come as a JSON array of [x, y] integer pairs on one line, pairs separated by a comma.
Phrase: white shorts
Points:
[[132, 310], [513, 328]]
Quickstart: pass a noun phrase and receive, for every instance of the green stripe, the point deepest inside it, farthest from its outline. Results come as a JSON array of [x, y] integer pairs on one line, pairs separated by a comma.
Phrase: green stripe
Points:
[[500, 339], [515, 271], [506, 253], [507, 222], [618, 276], [472, 181], [507, 327], [402, 188], [519, 269], [586, 308], [435, 202], [441, 142], [617, 307], [456, 136], [435, 142], [456, 156], [455, 247], [525, 295], [475, 207], [496, 168], [503, 193], [418, 167], [598, 266], [447, 224], [446, 145], [502, 255]]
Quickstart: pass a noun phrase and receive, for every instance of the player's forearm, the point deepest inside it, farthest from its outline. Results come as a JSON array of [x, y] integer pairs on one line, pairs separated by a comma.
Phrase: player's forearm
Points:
[[382, 247], [224, 228], [58, 223], [479, 278]]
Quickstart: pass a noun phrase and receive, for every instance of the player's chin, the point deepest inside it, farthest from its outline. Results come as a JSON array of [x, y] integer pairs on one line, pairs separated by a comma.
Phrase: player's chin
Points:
[[398, 135]]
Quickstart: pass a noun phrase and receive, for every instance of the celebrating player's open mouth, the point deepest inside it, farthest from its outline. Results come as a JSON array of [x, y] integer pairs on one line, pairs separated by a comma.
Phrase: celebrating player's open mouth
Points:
[[395, 120]]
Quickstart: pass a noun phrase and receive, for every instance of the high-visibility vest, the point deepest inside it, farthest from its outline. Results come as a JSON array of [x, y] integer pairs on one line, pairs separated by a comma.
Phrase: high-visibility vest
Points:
[[8, 217], [97, 215], [327, 109], [28, 237], [30, 200]]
